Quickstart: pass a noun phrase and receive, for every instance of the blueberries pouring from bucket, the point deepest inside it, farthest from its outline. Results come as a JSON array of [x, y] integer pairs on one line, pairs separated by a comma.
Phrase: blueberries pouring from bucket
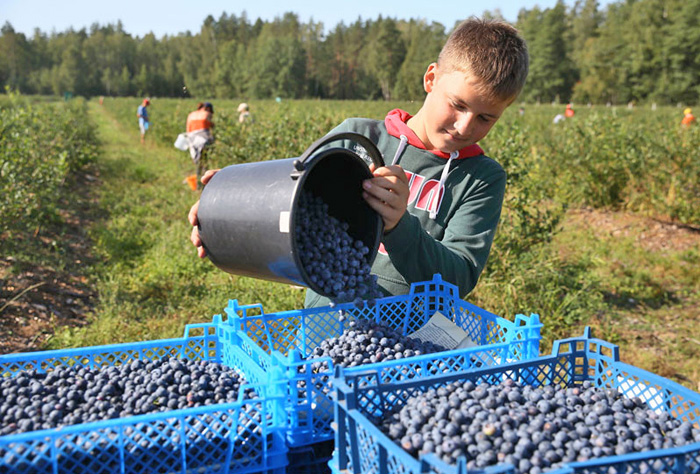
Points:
[[300, 221]]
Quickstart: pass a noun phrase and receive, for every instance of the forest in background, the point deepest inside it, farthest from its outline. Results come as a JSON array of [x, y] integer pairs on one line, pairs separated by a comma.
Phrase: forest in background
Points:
[[630, 51]]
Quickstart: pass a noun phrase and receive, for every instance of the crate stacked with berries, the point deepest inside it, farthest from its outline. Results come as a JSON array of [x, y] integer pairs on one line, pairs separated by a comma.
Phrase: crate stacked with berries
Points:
[[169, 405], [578, 410]]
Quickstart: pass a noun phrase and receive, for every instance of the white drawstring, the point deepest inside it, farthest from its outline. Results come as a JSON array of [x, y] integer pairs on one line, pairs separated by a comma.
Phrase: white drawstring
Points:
[[441, 184], [400, 149]]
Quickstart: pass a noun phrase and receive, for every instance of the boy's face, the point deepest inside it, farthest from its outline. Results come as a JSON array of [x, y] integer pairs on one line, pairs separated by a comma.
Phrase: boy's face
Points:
[[455, 114]]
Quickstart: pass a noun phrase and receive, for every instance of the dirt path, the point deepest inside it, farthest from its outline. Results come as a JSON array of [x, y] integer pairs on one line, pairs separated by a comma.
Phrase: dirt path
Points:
[[654, 235], [36, 299]]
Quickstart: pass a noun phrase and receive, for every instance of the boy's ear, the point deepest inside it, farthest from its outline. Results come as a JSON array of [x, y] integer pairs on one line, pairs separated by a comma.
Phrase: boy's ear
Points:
[[429, 77]]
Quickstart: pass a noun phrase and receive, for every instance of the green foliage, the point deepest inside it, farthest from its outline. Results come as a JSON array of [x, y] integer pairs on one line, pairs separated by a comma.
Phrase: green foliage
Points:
[[424, 45], [552, 74], [636, 160], [523, 275], [642, 51], [606, 160], [40, 145]]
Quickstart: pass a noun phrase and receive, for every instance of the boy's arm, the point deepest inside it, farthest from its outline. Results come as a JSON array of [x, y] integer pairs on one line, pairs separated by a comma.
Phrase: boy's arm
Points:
[[461, 255]]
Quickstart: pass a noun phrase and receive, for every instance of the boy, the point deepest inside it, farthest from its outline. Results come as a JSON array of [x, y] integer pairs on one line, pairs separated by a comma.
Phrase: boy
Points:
[[439, 196]]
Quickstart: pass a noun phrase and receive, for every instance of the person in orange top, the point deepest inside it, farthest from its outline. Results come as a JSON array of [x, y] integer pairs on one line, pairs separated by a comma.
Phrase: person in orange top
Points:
[[569, 112], [688, 117], [199, 135]]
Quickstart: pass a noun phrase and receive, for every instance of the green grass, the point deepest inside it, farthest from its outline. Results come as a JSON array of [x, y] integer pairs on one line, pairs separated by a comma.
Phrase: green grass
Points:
[[649, 300]]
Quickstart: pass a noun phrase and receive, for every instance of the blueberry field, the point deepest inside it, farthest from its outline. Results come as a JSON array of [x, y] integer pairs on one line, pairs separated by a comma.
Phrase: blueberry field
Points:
[[601, 224]]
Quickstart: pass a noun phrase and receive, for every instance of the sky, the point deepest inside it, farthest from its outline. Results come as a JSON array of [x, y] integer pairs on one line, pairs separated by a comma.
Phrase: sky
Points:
[[170, 17]]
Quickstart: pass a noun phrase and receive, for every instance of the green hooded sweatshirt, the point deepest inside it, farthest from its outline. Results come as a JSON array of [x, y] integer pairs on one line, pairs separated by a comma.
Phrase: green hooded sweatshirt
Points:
[[453, 209]]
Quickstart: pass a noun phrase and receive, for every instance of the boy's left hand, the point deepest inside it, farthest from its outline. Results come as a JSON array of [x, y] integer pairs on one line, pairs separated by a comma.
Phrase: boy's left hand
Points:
[[387, 193]]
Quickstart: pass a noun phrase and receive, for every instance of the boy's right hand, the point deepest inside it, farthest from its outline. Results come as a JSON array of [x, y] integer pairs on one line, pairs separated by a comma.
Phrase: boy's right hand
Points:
[[192, 217], [387, 193]]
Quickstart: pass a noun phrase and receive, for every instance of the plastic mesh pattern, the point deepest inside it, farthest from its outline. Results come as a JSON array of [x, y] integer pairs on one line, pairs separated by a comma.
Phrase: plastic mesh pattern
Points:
[[310, 459]]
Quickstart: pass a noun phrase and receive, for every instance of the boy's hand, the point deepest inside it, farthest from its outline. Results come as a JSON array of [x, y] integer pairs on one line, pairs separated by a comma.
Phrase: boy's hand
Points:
[[192, 217], [387, 193]]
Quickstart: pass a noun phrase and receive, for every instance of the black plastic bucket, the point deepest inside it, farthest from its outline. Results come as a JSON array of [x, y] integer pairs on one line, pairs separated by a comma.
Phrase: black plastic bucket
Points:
[[247, 212]]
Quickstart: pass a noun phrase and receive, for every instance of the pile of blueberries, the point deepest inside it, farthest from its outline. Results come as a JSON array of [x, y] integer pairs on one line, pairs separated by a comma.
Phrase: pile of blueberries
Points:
[[362, 342], [64, 396], [534, 429], [366, 342], [334, 260]]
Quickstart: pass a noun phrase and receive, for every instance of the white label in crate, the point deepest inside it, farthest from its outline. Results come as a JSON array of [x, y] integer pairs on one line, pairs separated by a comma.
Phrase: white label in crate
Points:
[[440, 330], [284, 221]]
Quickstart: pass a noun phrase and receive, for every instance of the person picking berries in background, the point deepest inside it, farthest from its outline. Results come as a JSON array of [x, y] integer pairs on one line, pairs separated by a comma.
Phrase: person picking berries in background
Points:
[[569, 112], [199, 127], [688, 117], [142, 115]]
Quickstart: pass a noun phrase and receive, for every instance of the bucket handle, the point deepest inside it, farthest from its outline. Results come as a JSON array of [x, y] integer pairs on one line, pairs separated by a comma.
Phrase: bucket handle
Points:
[[366, 143]]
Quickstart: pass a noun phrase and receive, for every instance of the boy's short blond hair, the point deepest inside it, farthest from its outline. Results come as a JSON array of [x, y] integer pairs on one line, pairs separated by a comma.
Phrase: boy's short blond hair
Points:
[[491, 51]]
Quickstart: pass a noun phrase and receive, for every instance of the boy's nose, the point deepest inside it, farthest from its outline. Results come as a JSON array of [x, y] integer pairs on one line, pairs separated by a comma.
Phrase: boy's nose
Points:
[[463, 122]]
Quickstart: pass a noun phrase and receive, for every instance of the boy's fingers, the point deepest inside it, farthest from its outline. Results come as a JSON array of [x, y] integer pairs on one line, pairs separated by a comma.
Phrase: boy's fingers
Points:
[[387, 188], [194, 237], [389, 214], [197, 242], [386, 201], [390, 183], [377, 204], [382, 193], [208, 174], [391, 171], [192, 216]]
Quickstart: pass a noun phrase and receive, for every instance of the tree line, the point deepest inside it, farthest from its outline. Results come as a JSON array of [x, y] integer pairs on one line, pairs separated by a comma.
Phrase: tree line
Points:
[[629, 51]]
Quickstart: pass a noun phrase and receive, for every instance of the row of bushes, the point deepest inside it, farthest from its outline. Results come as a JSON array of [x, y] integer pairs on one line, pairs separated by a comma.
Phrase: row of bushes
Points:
[[634, 159], [41, 146]]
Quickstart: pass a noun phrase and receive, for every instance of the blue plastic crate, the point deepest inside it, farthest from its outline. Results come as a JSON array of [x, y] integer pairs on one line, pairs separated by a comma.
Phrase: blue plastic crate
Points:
[[281, 344], [362, 448], [243, 437]]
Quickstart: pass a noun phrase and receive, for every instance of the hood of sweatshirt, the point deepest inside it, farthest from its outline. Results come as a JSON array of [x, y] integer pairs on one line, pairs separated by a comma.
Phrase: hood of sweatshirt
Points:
[[395, 122]]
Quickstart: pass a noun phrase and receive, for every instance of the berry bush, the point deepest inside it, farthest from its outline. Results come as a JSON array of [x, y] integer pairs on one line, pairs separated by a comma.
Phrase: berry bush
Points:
[[42, 146]]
